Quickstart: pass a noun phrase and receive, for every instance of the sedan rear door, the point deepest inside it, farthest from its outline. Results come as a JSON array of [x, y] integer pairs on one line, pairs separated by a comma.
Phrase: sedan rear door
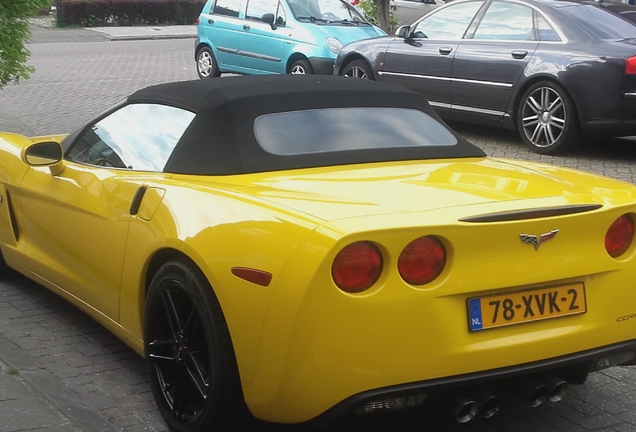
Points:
[[423, 61], [490, 61]]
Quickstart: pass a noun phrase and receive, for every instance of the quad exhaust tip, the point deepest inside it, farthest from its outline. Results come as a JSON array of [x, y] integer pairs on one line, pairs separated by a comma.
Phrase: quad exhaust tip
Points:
[[486, 404]]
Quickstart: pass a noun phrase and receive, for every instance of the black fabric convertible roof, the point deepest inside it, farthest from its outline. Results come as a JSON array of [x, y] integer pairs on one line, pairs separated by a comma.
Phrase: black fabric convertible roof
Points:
[[220, 139]]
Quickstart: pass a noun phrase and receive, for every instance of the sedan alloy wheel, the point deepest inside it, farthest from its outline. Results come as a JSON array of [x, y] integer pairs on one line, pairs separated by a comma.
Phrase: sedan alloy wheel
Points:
[[547, 119], [358, 69]]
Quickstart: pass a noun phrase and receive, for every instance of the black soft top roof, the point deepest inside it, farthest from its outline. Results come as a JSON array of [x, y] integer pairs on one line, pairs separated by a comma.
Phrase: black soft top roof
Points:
[[220, 139]]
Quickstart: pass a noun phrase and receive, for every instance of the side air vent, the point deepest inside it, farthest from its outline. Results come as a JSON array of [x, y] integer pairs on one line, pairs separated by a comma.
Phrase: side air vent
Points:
[[531, 214], [14, 221]]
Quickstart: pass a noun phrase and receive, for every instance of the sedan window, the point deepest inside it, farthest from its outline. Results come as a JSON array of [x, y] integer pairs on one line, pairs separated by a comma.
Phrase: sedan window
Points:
[[606, 24], [450, 22], [345, 129], [137, 136], [506, 21]]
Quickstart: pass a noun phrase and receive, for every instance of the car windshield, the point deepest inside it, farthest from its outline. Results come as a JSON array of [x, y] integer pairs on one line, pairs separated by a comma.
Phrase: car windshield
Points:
[[602, 23], [326, 11], [343, 129]]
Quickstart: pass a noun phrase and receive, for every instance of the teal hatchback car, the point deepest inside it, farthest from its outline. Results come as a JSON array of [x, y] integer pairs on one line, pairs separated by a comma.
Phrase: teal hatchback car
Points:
[[276, 36]]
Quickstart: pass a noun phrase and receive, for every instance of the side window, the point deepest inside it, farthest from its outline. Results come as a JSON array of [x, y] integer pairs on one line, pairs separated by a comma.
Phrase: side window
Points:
[[227, 7], [506, 21], [448, 23], [257, 8], [137, 136], [545, 32], [281, 16]]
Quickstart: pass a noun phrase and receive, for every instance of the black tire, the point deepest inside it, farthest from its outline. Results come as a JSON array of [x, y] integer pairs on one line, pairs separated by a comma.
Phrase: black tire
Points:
[[358, 69], [191, 363], [206, 64], [547, 120], [301, 67], [4, 268]]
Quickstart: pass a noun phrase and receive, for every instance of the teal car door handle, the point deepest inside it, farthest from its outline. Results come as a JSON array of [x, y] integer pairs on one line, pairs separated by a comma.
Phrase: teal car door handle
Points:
[[210, 21], [246, 27]]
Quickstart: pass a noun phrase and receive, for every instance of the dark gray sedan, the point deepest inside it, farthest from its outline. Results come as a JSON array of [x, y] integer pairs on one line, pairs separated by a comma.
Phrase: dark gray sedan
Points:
[[555, 70]]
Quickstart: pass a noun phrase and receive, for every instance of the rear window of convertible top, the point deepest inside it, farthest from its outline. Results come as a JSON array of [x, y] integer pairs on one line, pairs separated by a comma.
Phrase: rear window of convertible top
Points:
[[328, 130]]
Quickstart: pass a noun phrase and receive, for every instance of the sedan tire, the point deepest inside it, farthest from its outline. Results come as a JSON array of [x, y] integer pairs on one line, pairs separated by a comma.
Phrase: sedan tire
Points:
[[358, 69], [547, 120], [206, 64], [189, 355]]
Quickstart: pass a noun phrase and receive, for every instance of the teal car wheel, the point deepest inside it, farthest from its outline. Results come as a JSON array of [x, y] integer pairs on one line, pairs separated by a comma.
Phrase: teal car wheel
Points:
[[206, 64], [301, 67]]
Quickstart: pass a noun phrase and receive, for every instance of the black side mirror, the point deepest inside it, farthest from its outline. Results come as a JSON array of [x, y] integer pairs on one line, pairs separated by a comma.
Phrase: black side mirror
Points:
[[269, 19], [403, 31]]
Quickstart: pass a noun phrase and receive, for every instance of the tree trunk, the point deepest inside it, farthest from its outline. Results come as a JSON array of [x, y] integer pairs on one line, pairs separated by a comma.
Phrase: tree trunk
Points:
[[384, 10]]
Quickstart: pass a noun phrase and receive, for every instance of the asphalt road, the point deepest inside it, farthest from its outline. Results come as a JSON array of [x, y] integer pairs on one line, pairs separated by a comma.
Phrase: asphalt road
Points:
[[100, 384]]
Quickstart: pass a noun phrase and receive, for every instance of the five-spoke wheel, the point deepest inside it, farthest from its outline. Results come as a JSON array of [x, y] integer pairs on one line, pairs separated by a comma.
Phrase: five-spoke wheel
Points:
[[547, 120], [191, 364]]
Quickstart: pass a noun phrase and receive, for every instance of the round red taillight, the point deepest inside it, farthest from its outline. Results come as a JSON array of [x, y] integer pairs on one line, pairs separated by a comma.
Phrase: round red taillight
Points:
[[357, 267], [619, 236], [422, 260]]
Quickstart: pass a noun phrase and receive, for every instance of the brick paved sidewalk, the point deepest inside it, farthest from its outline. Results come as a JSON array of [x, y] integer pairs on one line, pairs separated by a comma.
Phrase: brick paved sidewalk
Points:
[[22, 407], [61, 371]]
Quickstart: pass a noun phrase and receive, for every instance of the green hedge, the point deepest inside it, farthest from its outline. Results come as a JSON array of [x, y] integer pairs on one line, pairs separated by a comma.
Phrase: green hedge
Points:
[[102, 13]]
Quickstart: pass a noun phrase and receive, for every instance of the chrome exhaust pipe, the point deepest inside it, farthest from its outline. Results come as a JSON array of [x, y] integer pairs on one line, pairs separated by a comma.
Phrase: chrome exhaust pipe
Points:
[[557, 388], [489, 404], [463, 409], [537, 392], [526, 391]]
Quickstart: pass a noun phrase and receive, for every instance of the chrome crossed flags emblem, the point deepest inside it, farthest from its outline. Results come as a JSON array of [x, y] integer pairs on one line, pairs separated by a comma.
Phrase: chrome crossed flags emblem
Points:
[[536, 241]]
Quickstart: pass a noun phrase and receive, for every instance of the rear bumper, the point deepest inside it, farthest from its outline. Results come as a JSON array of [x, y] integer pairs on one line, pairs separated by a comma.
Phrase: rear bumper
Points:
[[620, 122], [572, 368]]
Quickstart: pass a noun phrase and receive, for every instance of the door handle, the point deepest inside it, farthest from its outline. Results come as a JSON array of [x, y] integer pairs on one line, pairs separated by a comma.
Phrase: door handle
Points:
[[445, 50], [246, 27], [210, 21], [519, 54]]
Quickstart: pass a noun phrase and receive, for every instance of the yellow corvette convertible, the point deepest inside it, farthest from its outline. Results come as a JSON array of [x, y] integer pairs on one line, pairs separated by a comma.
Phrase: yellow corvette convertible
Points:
[[302, 248]]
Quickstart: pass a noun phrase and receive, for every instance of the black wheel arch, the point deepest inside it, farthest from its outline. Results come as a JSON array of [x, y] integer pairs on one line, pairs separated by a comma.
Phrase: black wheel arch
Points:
[[294, 58], [353, 57], [199, 47]]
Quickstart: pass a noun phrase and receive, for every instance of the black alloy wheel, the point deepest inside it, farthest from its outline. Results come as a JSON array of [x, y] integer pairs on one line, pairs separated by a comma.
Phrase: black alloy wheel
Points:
[[206, 64], [301, 67], [189, 356], [547, 119], [358, 69]]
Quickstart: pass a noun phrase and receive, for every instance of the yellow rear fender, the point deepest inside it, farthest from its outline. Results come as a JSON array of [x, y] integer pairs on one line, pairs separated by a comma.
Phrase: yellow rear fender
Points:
[[222, 235]]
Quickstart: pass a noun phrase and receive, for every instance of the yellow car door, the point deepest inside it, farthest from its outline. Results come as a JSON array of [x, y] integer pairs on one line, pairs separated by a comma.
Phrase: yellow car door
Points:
[[76, 218], [76, 225]]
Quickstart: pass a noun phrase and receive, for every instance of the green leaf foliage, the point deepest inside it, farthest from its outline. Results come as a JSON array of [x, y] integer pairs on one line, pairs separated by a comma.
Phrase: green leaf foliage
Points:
[[14, 33], [380, 13]]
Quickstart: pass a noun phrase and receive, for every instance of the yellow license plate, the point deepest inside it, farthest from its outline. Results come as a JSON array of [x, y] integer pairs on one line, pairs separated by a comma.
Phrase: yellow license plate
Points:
[[526, 306]]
